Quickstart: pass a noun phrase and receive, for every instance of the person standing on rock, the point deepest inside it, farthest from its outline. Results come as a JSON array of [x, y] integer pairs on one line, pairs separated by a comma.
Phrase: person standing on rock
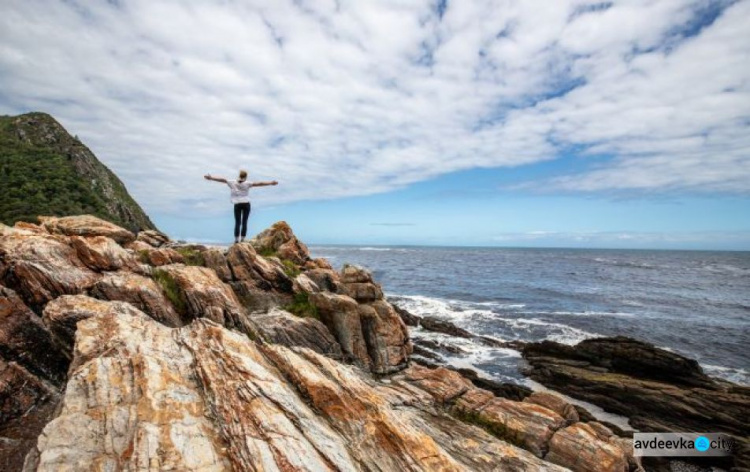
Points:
[[239, 194]]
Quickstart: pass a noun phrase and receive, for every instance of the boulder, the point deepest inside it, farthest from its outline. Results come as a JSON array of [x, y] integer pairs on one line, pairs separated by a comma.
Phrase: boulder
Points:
[[25, 340], [352, 274], [247, 265], [141, 292], [62, 315], [279, 240], [197, 292], [281, 327], [217, 260], [554, 403], [326, 279], [42, 267], [86, 225], [363, 292], [442, 384], [153, 238], [162, 256], [524, 424], [585, 447], [341, 315], [304, 284], [386, 337], [144, 396], [102, 253]]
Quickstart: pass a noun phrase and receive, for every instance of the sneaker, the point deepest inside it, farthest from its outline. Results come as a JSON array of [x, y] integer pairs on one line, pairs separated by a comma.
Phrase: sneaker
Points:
[[242, 240], [236, 240]]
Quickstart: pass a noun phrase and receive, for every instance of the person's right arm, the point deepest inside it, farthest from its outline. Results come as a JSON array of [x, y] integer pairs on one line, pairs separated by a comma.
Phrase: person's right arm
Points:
[[215, 179]]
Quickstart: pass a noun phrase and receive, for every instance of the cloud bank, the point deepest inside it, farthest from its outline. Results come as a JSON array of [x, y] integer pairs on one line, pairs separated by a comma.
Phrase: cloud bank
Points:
[[338, 99]]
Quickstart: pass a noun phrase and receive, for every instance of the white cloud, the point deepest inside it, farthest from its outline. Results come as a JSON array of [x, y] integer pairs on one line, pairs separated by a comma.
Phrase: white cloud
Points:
[[337, 99]]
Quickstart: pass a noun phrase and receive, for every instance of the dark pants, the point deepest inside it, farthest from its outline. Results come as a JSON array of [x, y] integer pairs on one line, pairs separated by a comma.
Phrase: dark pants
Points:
[[241, 212]]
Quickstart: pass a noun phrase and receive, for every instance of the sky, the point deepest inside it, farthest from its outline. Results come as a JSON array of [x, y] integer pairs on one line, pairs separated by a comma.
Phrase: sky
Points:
[[564, 123]]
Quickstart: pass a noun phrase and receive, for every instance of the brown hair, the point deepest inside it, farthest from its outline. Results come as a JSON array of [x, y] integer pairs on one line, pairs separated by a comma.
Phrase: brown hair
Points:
[[243, 174]]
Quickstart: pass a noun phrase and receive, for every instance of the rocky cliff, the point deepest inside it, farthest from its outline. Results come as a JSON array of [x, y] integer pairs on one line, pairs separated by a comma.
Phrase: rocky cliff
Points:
[[45, 170], [134, 353]]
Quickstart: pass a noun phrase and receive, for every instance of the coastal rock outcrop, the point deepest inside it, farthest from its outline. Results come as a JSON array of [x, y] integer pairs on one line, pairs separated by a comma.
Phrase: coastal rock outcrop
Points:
[[279, 240], [86, 225], [144, 396], [623, 376]]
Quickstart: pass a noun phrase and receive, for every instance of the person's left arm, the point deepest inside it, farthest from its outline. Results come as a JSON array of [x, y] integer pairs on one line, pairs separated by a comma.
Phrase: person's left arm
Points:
[[264, 184]]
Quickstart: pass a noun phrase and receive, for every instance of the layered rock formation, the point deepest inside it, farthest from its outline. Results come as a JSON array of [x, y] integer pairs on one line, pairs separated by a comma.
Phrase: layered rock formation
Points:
[[136, 353]]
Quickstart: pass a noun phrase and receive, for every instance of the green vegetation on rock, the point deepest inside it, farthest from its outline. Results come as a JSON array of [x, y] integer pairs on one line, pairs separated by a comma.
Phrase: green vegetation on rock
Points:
[[171, 290], [46, 171], [495, 428], [192, 256], [290, 268], [302, 307]]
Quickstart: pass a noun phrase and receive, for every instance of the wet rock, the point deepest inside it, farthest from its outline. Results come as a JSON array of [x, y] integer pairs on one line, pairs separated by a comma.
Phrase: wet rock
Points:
[[408, 318], [62, 315], [586, 447], [281, 327], [102, 253], [42, 267], [141, 292], [26, 341], [281, 241], [596, 371], [86, 225], [153, 238], [507, 390], [446, 327]]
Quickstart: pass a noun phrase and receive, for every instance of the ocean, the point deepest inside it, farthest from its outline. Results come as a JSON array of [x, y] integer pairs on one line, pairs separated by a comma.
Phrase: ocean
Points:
[[696, 303]]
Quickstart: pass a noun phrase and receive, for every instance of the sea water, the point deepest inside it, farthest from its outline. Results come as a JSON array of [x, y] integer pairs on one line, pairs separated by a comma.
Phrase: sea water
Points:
[[694, 303]]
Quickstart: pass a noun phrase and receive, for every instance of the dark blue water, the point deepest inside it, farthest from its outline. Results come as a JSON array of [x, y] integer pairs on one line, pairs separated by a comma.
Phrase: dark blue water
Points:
[[694, 303]]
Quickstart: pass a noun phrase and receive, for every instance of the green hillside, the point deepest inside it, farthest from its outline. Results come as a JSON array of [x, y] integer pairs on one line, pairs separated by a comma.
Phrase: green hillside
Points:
[[46, 171]]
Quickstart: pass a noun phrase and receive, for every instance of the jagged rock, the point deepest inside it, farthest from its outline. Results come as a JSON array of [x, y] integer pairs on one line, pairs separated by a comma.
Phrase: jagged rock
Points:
[[304, 284], [352, 274], [326, 279], [153, 238], [141, 292], [27, 403], [31, 227], [507, 390], [144, 396], [198, 293], [341, 315], [408, 318], [281, 327], [42, 267], [280, 239], [256, 299], [596, 371], [163, 256], [386, 337], [446, 327], [6, 230], [103, 253], [86, 225], [247, 265], [554, 403], [318, 263], [585, 447], [523, 424], [25, 340], [443, 384], [216, 260], [62, 315], [363, 292]]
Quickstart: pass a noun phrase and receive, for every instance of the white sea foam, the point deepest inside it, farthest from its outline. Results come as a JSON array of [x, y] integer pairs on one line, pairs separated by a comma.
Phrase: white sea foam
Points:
[[735, 375]]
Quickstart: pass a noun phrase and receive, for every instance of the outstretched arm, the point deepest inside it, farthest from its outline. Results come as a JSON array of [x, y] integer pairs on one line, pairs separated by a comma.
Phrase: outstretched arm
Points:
[[215, 179], [263, 184]]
